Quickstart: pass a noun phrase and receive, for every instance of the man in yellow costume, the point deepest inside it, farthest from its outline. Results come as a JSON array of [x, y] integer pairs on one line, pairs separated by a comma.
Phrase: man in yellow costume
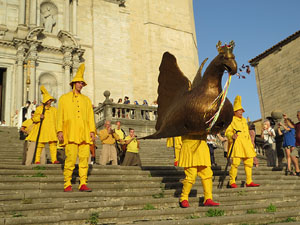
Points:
[[243, 147], [132, 157], [108, 137], [121, 133], [76, 130], [194, 156], [175, 143], [29, 147], [48, 128]]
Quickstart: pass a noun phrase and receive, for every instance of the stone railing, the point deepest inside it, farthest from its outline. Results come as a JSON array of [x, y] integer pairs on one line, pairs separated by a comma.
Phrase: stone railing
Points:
[[140, 117]]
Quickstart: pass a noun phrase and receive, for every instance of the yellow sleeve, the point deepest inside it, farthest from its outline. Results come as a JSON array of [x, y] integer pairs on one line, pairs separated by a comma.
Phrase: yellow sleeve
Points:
[[116, 136], [103, 134], [92, 125], [60, 115], [55, 117], [127, 138], [169, 142], [37, 114], [27, 123], [229, 132], [178, 142]]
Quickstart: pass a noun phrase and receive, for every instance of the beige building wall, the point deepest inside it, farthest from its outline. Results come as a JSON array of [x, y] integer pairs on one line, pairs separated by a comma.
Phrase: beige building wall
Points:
[[277, 78], [128, 43]]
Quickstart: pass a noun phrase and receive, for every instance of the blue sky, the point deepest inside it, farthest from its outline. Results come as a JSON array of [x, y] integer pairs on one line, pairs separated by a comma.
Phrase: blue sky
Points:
[[254, 25]]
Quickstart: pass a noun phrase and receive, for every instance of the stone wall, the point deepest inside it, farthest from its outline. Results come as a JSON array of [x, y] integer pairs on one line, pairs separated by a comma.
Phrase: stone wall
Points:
[[278, 83], [128, 44]]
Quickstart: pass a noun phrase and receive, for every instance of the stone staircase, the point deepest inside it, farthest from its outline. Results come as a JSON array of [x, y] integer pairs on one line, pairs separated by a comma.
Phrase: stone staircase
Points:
[[133, 195]]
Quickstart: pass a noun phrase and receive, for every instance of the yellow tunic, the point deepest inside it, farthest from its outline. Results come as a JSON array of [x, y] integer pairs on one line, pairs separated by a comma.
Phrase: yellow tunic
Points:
[[107, 138], [48, 129], [178, 142], [75, 118], [243, 147], [28, 125], [120, 133], [132, 146], [194, 152]]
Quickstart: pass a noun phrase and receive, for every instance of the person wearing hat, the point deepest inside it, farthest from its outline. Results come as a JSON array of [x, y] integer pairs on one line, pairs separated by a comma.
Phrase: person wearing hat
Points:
[[48, 128], [76, 130], [243, 147], [194, 157], [175, 143]]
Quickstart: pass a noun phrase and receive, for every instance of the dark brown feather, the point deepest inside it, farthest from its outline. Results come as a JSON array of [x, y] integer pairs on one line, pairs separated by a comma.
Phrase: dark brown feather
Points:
[[172, 83]]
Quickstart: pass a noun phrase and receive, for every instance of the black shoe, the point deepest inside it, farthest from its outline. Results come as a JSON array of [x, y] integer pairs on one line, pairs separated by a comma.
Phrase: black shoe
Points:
[[277, 169]]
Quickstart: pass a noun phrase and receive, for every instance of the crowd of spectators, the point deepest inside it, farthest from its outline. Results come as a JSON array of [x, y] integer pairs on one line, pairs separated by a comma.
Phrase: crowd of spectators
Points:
[[281, 143], [121, 112], [117, 148]]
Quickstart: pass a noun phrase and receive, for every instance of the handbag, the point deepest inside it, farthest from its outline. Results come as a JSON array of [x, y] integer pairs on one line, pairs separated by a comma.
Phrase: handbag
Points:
[[124, 147]]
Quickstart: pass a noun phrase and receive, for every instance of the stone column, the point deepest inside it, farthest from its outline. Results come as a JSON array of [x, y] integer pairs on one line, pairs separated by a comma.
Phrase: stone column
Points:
[[32, 58], [76, 63], [75, 17], [3, 11], [20, 75], [21, 12], [32, 16], [67, 66], [67, 15]]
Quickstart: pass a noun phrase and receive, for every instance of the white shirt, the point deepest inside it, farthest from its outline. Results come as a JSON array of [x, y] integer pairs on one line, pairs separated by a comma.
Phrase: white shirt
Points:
[[269, 138], [211, 139]]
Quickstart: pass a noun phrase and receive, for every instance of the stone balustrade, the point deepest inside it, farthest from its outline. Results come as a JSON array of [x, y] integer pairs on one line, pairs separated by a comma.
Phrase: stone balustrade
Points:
[[140, 117]]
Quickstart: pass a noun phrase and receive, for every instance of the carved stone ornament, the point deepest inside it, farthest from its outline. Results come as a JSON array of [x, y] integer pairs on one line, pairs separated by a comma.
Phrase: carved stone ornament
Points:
[[67, 39], [48, 16], [67, 60], [33, 33], [121, 3], [3, 30], [21, 50], [32, 52]]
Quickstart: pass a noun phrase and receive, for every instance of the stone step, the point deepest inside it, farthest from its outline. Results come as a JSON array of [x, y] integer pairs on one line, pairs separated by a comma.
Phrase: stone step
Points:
[[120, 193], [232, 215], [138, 203], [262, 168], [257, 218], [104, 186], [59, 178], [43, 176], [134, 195]]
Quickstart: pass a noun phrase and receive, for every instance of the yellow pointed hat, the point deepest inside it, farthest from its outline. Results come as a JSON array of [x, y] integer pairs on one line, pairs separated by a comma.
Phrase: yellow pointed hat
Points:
[[79, 75], [238, 103], [46, 95]]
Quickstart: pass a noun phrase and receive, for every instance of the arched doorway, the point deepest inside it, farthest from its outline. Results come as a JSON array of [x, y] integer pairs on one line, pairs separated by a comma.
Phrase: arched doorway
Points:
[[50, 83]]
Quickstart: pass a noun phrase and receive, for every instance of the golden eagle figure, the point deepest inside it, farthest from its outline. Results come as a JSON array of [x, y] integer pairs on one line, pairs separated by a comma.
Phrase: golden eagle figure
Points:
[[184, 108]]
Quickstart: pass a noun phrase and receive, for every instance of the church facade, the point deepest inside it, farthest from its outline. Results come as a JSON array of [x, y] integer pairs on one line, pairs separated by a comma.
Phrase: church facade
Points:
[[43, 42]]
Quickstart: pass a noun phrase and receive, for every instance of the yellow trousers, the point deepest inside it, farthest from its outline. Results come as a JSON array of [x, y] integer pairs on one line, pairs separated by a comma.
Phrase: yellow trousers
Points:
[[53, 151], [72, 151], [177, 152], [248, 164], [191, 173]]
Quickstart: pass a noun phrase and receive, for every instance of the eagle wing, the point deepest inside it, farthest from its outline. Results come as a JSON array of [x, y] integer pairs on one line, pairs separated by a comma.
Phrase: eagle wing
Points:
[[198, 76], [171, 83]]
